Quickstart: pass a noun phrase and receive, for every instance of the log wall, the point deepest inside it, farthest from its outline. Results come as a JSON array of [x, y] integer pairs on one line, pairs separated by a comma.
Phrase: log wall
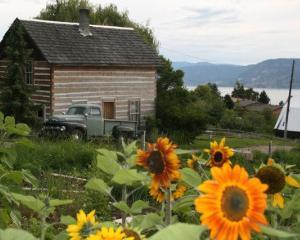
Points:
[[97, 85]]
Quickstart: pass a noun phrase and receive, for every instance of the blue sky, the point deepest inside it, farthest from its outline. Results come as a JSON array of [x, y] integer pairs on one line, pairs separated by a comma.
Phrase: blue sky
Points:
[[218, 31]]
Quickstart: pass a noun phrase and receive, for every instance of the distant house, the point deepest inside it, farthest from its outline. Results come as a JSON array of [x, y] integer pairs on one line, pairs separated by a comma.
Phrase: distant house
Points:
[[293, 124], [254, 106], [73, 62]]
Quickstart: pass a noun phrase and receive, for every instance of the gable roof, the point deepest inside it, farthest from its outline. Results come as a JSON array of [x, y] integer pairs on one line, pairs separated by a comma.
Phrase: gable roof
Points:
[[61, 43]]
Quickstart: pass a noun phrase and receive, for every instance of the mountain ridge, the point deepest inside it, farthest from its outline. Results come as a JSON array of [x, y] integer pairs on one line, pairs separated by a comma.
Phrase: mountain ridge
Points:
[[270, 73]]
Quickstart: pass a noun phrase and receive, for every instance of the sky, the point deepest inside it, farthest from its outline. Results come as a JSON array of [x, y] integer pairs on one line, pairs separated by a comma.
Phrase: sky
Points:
[[218, 31]]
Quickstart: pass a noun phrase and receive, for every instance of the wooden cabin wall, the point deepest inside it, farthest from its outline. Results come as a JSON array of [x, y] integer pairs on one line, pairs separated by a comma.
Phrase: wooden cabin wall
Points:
[[105, 84], [42, 83]]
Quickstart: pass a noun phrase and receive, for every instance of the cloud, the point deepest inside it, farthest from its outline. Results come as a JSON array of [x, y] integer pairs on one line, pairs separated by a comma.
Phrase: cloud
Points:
[[202, 16]]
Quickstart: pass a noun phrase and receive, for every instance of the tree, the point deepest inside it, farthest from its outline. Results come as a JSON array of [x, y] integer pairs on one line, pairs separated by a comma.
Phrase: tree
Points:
[[168, 77], [68, 11], [15, 93], [263, 98], [228, 102]]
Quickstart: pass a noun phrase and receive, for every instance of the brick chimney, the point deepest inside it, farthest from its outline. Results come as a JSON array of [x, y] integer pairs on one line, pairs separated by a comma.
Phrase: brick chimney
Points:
[[84, 22]]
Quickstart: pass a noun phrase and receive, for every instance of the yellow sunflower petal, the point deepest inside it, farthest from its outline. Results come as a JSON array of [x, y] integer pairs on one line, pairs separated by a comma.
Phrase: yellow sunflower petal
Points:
[[270, 162], [278, 200], [292, 181]]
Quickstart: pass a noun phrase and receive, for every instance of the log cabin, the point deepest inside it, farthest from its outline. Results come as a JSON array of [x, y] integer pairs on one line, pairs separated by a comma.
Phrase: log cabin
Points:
[[77, 62]]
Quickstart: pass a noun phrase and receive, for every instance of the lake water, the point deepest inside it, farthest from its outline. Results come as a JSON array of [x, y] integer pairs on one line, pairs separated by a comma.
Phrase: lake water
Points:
[[275, 95]]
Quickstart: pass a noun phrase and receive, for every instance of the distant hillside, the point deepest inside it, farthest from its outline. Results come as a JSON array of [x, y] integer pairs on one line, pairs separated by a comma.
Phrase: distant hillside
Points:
[[274, 73]]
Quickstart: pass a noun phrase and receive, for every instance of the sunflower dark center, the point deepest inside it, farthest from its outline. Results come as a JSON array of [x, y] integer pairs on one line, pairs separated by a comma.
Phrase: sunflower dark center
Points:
[[234, 203], [86, 229], [218, 157], [273, 177], [131, 233], [156, 162]]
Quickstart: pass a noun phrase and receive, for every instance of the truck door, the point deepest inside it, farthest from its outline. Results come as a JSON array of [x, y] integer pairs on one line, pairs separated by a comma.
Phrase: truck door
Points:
[[94, 122]]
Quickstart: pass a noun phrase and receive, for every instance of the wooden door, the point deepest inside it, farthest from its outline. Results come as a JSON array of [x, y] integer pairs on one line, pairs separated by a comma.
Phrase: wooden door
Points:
[[109, 110]]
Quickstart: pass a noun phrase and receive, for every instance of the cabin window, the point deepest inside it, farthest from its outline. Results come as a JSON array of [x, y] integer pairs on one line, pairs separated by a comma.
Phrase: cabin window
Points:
[[95, 111], [29, 73], [109, 110], [134, 110]]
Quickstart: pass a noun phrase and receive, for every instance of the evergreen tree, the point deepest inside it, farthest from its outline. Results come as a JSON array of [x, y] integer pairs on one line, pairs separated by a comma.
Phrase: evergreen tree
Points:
[[15, 93], [228, 102], [263, 98]]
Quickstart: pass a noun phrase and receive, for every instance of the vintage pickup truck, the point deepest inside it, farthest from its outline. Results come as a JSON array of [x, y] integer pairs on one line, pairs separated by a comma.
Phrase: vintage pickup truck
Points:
[[86, 120]]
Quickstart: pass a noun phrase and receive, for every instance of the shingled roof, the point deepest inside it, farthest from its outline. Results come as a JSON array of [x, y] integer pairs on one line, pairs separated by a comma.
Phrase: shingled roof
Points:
[[61, 43]]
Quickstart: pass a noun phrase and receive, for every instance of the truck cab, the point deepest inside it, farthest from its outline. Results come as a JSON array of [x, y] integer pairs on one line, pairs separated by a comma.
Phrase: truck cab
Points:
[[86, 120]]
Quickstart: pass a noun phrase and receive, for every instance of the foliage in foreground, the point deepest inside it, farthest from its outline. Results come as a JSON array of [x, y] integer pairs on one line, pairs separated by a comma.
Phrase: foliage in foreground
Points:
[[172, 213]]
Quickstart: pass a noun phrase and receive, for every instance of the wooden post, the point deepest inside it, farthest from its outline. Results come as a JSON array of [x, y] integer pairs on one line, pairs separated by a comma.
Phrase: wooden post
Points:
[[289, 101]]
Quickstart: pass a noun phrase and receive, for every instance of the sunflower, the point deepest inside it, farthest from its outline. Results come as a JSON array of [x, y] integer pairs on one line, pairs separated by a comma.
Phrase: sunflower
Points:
[[219, 153], [274, 176], [84, 226], [232, 204], [158, 193], [109, 234], [193, 163], [161, 161]]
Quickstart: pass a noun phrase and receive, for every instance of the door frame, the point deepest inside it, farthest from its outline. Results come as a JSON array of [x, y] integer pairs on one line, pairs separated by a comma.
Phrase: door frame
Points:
[[105, 100]]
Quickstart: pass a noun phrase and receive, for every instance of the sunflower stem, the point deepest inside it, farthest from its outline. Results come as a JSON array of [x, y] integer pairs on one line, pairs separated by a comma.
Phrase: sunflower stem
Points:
[[168, 209], [124, 198]]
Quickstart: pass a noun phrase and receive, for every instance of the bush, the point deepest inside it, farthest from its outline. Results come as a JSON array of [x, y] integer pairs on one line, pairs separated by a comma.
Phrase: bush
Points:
[[288, 157], [59, 156]]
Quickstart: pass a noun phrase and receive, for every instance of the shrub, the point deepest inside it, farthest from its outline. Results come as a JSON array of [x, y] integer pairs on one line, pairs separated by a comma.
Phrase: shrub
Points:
[[59, 156]]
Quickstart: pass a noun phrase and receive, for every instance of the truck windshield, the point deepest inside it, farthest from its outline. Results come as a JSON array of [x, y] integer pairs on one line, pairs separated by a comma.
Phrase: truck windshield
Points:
[[77, 111]]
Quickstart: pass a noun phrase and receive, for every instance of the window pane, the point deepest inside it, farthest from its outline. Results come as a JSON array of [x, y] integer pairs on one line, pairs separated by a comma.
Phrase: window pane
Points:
[[95, 111]]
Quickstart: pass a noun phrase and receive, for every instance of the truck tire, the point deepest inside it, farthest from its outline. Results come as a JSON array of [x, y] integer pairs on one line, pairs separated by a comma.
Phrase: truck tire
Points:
[[77, 134]]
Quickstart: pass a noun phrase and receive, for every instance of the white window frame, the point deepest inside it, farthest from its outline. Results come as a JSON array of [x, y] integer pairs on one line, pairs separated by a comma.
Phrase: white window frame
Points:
[[136, 115], [29, 74]]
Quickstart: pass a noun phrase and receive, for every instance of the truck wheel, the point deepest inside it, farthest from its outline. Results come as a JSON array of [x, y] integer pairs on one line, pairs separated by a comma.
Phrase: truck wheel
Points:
[[77, 135]]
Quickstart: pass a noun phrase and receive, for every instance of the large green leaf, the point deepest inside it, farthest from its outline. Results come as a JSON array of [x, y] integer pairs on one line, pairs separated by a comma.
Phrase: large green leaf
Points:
[[191, 177], [14, 234], [128, 176], [122, 206], [183, 203], [29, 201], [97, 185], [67, 220], [179, 231], [146, 221], [129, 149], [107, 161], [138, 206], [59, 202], [277, 233]]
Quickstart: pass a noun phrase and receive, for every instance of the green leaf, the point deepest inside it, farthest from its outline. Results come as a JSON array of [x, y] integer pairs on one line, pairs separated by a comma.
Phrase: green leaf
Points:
[[97, 185], [128, 177], [191, 177], [138, 206], [9, 122], [130, 148], [1, 117], [277, 233], [179, 231], [67, 220], [183, 203], [146, 221], [107, 161], [13, 234], [122, 206], [62, 236], [59, 202], [29, 201]]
